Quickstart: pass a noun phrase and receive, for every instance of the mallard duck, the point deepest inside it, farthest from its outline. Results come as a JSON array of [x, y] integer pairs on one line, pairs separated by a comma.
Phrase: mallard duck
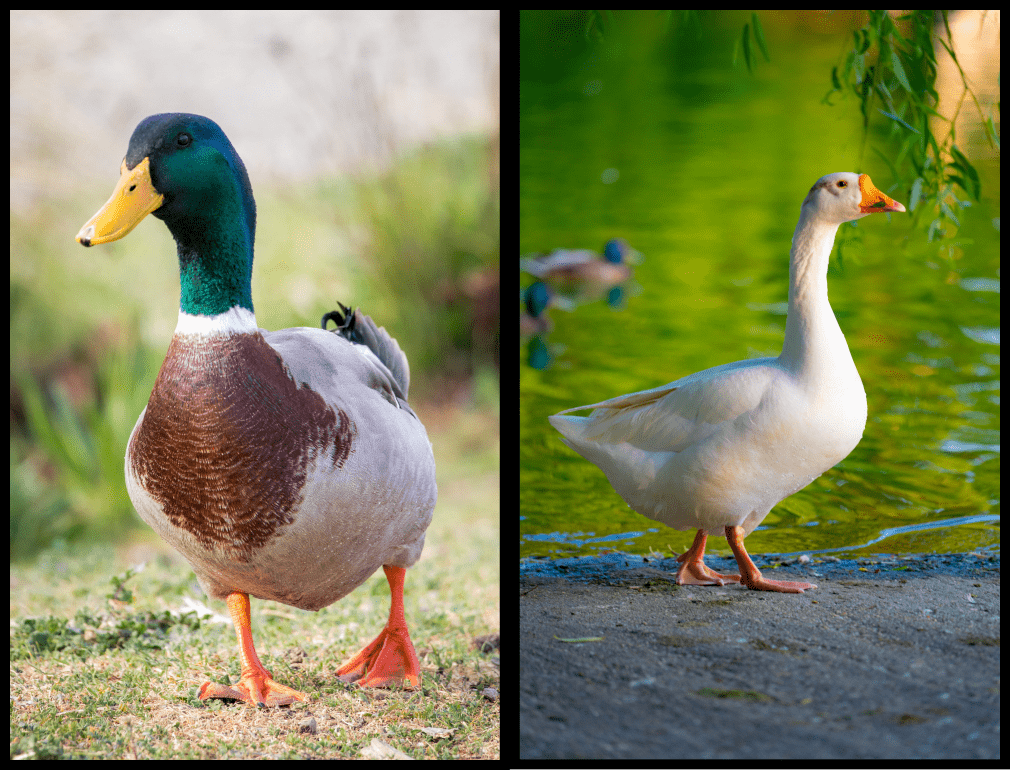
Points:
[[716, 450], [569, 269], [284, 465], [534, 319]]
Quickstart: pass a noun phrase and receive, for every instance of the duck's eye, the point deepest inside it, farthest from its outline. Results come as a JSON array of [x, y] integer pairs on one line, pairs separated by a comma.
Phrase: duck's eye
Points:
[[843, 183], [184, 140]]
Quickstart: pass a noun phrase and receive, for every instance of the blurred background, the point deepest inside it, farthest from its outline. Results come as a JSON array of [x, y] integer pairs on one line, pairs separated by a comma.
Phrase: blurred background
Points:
[[686, 142]]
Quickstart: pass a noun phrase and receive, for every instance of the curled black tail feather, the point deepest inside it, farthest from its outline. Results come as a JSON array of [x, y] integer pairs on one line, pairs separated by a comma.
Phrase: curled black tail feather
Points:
[[356, 327]]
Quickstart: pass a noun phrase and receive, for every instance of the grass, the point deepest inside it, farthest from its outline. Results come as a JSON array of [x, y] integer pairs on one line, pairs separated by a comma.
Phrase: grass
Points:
[[107, 656]]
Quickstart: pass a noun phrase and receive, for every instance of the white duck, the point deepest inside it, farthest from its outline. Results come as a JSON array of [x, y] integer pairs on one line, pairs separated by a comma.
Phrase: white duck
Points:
[[716, 450]]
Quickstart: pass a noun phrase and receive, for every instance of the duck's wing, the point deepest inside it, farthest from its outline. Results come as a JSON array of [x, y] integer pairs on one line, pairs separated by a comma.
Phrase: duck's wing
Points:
[[338, 364], [675, 416], [355, 326], [561, 259]]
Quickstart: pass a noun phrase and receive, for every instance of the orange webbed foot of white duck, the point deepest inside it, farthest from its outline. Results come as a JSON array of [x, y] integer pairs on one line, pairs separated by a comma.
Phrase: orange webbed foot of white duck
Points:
[[693, 571], [750, 575], [389, 660], [256, 686]]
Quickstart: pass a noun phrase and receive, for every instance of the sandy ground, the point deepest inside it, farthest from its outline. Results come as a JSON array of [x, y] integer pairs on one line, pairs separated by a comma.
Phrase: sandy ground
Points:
[[890, 658]]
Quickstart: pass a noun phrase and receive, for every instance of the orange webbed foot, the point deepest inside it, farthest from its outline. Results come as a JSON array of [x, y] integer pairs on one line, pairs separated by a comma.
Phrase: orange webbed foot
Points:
[[693, 571], [751, 576], [256, 686], [762, 583], [700, 575], [389, 660]]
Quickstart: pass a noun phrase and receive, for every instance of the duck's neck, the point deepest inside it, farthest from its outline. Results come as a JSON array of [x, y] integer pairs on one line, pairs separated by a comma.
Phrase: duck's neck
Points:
[[237, 320], [215, 278], [814, 344], [215, 248]]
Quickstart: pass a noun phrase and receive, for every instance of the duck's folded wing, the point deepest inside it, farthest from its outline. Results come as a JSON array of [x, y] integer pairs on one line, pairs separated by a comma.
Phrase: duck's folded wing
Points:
[[562, 259], [337, 368], [675, 416], [360, 329]]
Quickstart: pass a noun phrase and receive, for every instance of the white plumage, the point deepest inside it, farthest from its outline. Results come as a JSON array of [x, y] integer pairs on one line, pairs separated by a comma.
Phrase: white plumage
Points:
[[716, 450]]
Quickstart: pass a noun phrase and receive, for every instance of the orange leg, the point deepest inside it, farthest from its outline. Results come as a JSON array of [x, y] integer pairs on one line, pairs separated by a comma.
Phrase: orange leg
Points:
[[750, 575], [390, 659], [693, 571], [256, 685]]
